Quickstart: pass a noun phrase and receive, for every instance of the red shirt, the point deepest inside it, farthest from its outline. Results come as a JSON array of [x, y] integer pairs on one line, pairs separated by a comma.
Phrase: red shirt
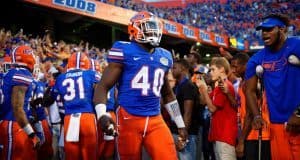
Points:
[[224, 120]]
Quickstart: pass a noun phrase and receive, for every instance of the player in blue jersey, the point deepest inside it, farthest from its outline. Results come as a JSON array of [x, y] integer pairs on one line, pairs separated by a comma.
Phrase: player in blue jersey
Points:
[[41, 125], [280, 78], [140, 69], [17, 135], [76, 88]]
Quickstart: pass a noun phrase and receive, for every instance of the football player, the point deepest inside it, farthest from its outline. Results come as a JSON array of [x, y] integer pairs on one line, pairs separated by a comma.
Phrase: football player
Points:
[[20, 139], [41, 124], [76, 88], [140, 67]]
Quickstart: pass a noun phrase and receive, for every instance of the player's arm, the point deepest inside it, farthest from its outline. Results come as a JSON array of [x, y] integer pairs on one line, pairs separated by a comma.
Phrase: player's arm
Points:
[[251, 100], [110, 76], [17, 100], [173, 109]]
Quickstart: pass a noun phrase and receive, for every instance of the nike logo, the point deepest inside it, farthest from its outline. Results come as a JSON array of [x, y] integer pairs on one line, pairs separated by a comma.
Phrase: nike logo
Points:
[[126, 118], [136, 58]]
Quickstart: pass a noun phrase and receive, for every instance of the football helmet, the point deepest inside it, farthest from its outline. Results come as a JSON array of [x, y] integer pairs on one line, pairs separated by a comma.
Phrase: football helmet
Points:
[[95, 66], [6, 65], [145, 27], [78, 60], [23, 56]]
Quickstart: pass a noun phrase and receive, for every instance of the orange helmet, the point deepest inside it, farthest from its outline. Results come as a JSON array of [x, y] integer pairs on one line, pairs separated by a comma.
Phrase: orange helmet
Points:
[[95, 66], [145, 27], [78, 60], [23, 56]]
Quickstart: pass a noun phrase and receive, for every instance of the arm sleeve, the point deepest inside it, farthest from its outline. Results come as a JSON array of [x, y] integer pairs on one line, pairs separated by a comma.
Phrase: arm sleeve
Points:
[[251, 66], [21, 79], [116, 54]]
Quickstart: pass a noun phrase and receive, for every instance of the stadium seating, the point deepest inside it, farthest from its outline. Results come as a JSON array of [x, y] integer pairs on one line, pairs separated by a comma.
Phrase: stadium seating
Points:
[[234, 18]]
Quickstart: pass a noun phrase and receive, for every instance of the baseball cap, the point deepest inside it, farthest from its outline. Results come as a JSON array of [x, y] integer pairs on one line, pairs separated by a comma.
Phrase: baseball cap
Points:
[[201, 70], [270, 23]]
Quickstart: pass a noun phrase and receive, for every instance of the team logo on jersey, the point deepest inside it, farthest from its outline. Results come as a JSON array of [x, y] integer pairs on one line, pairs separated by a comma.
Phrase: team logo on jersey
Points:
[[164, 61]]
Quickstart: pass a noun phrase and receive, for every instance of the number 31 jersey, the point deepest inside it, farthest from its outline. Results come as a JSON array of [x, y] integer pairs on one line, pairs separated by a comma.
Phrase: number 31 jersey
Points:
[[76, 88], [142, 77]]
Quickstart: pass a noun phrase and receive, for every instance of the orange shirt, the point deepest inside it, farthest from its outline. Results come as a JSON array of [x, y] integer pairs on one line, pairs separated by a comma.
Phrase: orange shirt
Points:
[[253, 135]]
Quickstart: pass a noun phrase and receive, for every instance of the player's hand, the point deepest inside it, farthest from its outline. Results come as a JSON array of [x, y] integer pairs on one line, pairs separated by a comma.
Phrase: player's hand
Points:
[[108, 125], [258, 122], [239, 149], [182, 139], [35, 141], [293, 124], [36, 102]]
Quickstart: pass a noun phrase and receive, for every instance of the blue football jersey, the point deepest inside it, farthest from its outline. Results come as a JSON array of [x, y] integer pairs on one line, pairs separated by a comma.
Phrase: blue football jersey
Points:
[[38, 89], [111, 103], [76, 89], [280, 78], [15, 77], [142, 77]]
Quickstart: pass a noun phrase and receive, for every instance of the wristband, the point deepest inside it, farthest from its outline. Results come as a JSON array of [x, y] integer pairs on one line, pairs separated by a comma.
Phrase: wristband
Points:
[[101, 110], [28, 129], [174, 111]]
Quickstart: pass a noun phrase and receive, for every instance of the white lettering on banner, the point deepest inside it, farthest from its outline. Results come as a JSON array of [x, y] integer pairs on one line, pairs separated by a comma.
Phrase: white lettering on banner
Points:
[[171, 28], [190, 33], [81, 5], [220, 40], [204, 36]]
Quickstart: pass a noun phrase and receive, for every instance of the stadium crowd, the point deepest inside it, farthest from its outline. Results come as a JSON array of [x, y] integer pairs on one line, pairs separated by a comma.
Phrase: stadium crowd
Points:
[[234, 18]]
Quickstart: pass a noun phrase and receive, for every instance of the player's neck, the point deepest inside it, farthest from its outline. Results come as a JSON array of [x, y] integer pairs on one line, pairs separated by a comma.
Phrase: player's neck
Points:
[[147, 47]]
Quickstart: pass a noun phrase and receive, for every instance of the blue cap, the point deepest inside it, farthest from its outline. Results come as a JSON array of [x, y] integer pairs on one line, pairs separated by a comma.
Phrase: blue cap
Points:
[[201, 70], [270, 23]]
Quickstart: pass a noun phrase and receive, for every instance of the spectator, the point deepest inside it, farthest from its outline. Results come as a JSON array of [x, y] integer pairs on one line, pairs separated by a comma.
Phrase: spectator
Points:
[[247, 146], [188, 98], [281, 83], [223, 131]]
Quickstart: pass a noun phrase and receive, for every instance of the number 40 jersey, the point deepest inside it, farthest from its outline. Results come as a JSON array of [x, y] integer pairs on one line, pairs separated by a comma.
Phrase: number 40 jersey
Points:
[[142, 77], [76, 88]]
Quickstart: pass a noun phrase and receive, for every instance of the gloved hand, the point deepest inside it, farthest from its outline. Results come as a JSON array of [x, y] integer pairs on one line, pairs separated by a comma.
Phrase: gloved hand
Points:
[[108, 125], [35, 141]]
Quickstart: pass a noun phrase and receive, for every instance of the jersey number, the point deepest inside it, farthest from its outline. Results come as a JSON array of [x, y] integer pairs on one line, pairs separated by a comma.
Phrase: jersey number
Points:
[[71, 91], [141, 80]]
